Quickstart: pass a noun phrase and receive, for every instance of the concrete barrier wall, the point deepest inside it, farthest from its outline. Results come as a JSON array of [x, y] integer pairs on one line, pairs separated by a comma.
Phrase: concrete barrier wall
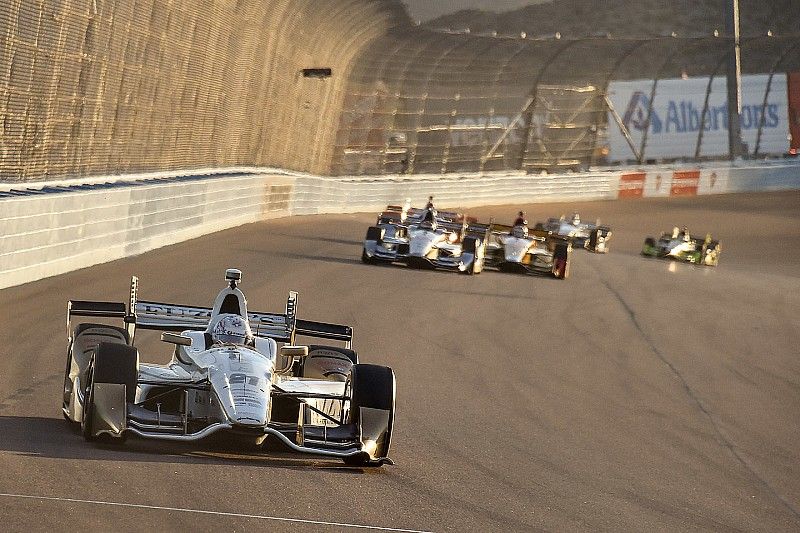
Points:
[[45, 232]]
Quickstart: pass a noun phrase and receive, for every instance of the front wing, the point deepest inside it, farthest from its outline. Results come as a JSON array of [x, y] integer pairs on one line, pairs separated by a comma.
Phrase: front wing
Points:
[[316, 431]]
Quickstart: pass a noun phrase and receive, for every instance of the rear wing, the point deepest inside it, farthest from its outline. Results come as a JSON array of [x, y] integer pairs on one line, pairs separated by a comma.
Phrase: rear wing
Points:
[[501, 228], [89, 308], [478, 229], [176, 317], [538, 232], [281, 327], [458, 227]]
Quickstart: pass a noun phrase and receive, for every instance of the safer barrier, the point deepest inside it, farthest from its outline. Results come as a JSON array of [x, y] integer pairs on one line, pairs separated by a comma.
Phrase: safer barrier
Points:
[[50, 233], [62, 226]]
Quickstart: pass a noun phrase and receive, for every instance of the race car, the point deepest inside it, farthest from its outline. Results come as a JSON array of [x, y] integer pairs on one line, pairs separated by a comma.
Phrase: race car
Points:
[[592, 237], [514, 249], [407, 215], [681, 246], [226, 376], [432, 240]]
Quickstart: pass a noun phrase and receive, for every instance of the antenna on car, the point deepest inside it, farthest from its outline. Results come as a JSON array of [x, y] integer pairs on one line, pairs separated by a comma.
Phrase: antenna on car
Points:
[[233, 276]]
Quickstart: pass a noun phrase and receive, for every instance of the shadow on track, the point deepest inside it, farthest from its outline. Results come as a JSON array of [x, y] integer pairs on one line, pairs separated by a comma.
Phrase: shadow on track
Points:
[[320, 239], [306, 257], [55, 438]]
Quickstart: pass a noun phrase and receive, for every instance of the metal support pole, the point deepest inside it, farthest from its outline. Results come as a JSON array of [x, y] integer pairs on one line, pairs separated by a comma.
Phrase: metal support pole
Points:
[[656, 79], [734, 80], [762, 115], [604, 92], [713, 75]]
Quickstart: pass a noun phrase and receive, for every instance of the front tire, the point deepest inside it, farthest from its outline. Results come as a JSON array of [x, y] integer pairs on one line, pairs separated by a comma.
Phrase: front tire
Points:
[[471, 245], [367, 260], [112, 363], [373, 389]]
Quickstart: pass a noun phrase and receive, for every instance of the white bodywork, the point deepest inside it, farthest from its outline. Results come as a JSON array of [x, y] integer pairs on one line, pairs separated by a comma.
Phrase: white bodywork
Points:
[[423, 241], [567, 229], [679, 247], [580, 233], [223, 378], [516, 248], [240, 376]]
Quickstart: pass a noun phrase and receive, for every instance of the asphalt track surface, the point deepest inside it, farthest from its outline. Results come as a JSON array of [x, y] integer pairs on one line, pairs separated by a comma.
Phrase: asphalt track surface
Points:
[[637, 395]]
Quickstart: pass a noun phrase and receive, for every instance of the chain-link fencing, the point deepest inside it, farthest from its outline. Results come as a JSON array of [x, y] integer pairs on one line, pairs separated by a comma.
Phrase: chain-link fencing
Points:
[[423, 101], [115, 86], [97, 87]]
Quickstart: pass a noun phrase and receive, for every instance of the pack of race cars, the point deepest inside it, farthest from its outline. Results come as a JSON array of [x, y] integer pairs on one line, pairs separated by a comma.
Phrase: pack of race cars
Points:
[[429, 238], [244, 374]]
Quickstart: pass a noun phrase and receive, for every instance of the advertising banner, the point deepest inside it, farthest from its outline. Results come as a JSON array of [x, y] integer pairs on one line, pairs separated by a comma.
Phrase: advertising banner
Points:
[[631, 185], [677, 117], [685, 183]]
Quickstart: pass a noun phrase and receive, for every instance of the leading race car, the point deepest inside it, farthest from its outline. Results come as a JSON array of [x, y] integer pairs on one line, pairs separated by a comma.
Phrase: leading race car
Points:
[[594, 237], [428, 239], [227, 375], [514, 249], [681, 246]]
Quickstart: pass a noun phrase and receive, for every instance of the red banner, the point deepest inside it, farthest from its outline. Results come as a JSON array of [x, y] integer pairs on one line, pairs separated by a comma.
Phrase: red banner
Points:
[[685, 183], [631, 185]]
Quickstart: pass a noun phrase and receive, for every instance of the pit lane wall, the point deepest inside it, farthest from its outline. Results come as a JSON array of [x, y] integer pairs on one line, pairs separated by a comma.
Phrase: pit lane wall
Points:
[[59, 227]]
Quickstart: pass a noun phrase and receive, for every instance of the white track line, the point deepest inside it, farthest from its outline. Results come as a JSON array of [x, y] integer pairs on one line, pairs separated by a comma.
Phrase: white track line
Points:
[[217, 513]]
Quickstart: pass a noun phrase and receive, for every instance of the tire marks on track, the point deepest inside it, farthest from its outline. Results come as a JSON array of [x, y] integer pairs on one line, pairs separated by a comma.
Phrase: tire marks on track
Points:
[[695, 400], [25, 393]]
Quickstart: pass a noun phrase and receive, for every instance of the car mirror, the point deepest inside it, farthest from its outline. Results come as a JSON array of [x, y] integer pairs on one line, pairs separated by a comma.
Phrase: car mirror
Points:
[[174, 338], [294, 351]]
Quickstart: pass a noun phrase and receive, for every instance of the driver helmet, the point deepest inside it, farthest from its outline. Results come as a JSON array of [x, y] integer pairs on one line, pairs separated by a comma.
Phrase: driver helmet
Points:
[[685, 234], [576, 219], [231, 329]]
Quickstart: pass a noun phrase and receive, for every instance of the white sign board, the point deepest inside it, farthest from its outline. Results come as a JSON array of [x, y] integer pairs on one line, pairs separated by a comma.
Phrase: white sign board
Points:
[[676, 117]]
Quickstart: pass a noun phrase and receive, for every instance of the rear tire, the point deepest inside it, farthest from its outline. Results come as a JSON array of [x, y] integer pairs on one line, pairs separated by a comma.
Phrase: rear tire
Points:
[[561, 260], [594, 243], [372, 386], [471, 246], [711, 253], [649, 244]]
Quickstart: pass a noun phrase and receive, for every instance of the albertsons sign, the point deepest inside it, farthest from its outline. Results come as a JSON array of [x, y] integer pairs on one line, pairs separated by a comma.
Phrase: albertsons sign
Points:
[[676, 117]]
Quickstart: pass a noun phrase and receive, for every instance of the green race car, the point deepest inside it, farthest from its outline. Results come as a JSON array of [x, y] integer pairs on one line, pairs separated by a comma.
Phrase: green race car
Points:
[[681, 246]]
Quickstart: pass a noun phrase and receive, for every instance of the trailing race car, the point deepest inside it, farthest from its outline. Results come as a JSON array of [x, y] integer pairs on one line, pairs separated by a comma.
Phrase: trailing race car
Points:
[[681, 246], [514, 249], [431, 240], [227, 375], [409, 216], [593, 237]]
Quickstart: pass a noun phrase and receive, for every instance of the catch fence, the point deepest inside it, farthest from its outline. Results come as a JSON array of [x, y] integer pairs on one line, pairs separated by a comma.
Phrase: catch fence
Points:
[[425, 101], [92, 87]]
